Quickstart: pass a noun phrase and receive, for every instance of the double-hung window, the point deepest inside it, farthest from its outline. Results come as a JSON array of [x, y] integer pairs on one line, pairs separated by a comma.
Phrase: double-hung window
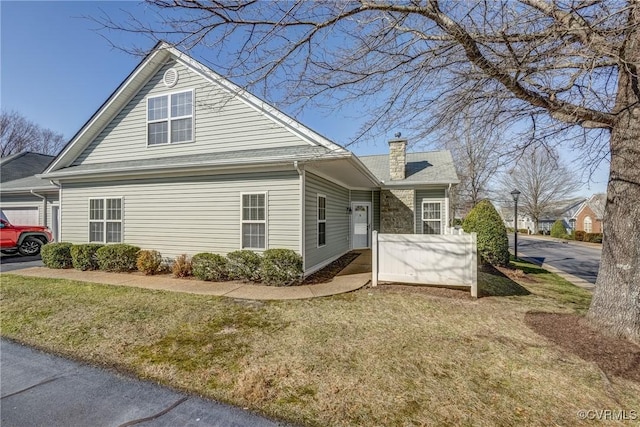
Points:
[[105, 220], [431, 217], [322, 220], [254, 221], [170, 118]]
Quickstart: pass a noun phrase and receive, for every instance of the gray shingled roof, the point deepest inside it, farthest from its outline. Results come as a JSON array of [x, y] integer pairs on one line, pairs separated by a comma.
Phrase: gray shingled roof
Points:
[[248, 157], [433, 167], [28, 183], [22, 165]]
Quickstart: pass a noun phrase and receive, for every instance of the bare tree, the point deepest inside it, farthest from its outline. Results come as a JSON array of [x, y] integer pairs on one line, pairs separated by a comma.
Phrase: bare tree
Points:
[[542, 181], [547, 68], [477, 159], [18, 134]]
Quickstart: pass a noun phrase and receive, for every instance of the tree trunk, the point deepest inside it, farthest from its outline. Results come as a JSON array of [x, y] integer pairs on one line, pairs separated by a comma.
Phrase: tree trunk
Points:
[[615, 307]]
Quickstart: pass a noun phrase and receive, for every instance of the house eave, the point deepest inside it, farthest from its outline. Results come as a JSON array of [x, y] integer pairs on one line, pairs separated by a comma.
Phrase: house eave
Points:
[[186, 167], [419, 184]]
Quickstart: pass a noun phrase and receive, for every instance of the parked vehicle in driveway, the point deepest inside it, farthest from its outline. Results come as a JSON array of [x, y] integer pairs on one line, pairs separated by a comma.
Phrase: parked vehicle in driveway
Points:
[[23, 239]]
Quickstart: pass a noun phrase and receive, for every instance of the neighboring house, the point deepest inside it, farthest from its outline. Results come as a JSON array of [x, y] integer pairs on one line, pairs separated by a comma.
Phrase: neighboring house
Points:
[[180, 160], [24, 198], [563, 210], [588, 217]]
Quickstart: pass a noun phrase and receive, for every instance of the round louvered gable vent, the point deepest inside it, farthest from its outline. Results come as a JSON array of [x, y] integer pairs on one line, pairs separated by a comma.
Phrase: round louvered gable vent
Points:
[[170, 77]]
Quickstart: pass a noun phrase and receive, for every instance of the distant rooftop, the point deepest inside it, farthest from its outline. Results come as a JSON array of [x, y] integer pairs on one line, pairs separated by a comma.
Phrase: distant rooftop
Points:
[[22, 165]]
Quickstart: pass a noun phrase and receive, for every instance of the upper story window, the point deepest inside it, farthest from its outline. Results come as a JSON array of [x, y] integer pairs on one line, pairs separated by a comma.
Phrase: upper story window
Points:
[[170, 118]]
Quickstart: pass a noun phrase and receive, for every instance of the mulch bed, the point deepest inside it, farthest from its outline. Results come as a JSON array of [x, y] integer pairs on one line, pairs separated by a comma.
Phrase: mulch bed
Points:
[[614, 356], [327, 273]]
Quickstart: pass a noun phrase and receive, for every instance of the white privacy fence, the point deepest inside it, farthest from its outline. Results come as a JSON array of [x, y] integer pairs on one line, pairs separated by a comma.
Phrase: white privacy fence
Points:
[[449, 260]]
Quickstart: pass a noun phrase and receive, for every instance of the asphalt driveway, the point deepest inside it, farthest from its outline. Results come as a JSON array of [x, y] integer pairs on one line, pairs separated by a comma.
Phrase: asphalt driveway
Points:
[[571, 257], [16, 262], [39, 389]]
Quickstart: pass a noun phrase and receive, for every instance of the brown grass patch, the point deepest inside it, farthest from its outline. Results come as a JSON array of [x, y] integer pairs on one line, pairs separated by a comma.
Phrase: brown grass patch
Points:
[[395, 355]]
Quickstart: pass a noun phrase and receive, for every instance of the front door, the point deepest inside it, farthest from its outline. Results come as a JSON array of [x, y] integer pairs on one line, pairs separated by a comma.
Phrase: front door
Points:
[[360, 224]]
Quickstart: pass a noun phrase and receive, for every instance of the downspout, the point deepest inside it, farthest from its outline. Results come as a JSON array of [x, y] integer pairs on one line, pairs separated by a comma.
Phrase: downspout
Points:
[[449, 222], [44, 201], [59, 224], [302, 174]]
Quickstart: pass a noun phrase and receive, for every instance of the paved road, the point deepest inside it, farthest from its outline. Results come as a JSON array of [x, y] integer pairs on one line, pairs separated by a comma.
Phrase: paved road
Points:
[[16, 262], [39, 389], [572, 258]]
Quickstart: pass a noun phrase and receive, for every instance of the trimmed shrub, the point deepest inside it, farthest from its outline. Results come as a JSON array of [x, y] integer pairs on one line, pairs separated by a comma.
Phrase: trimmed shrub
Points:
[[558, 230], [244, 265], [523, 230], [84, 256], [593, 237], [281, 267], [181, 266], [211, 267], [119, 257], [57, 255], [493, 245], [149, 262], [579, 236]]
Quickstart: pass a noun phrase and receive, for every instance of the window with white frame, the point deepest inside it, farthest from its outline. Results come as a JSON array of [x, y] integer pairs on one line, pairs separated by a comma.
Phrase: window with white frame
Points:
[[588, 224], [431, 217], [105, 220], [254, 221], [322, 220], [170, 118]]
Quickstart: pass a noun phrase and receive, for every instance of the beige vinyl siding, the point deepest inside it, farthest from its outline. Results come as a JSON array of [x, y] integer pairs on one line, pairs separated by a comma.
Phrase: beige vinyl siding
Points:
[[189, 214], [221, 123], [430, 195], [30, 201], [337, 221], [374, 198]]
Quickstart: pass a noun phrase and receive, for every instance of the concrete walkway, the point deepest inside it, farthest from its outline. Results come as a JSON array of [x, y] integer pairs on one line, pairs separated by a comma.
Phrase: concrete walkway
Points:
[[356, 275]]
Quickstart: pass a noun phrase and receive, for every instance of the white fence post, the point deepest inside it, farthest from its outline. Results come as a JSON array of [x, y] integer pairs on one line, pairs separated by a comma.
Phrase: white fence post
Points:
[[374, 258], [474, 265]]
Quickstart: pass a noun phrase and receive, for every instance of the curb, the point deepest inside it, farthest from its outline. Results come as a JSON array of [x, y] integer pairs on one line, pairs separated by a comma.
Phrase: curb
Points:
[[574, 280]]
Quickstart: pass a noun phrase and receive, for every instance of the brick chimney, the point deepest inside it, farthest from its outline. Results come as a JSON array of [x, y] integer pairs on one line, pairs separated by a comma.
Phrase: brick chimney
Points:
[[397, 157]]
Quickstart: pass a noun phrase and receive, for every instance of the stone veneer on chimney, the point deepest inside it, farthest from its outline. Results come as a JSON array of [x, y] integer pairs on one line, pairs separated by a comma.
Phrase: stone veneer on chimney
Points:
[[397, 158], [397, 206]]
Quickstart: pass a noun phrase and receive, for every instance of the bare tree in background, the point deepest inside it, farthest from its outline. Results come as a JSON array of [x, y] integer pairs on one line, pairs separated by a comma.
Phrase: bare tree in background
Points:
[[543, 182], [476, 155], [550, 69], [18, 134]]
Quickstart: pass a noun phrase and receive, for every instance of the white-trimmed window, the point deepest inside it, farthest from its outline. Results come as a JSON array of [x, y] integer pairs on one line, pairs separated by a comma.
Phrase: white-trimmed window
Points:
[[170, 118], [588, 224], [322, 220], [105, 220], [432, 217], [254, 221]]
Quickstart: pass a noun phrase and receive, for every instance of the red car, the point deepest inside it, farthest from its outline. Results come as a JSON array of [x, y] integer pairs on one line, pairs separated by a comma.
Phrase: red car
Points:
[[25, 239]]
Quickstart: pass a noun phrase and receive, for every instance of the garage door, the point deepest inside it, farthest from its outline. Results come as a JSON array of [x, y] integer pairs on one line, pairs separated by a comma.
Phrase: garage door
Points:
[[22, 216]]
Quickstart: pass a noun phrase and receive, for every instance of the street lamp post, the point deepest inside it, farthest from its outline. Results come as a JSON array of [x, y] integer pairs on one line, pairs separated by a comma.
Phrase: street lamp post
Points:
[[515, 194]]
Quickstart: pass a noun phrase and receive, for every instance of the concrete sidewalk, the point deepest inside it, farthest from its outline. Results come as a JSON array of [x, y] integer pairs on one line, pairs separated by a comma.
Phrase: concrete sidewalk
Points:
[[356, 275]]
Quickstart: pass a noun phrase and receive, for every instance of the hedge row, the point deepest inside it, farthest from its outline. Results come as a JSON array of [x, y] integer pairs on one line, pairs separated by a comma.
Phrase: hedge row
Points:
[[582, 236], [277, 267], [118, 257]]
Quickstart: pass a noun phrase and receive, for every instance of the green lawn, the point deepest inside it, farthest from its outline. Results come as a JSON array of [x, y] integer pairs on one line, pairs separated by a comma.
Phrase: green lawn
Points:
[[384, 356]]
